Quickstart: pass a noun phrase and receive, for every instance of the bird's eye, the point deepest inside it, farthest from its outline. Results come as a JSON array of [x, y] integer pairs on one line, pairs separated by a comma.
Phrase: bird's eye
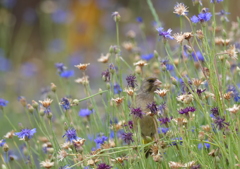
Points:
[[151, 80]]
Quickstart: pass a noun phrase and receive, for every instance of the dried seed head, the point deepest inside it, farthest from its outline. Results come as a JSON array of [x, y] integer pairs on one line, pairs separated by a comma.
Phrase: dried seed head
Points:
[[180, 9], [104, 59], [82, 66]]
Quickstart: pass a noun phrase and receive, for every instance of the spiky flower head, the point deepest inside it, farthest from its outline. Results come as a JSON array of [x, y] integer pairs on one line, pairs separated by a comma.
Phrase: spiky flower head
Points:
[[180, 9]]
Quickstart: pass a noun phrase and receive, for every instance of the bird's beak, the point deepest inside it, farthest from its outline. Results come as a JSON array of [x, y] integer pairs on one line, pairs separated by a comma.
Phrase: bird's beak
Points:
[[157, 83]]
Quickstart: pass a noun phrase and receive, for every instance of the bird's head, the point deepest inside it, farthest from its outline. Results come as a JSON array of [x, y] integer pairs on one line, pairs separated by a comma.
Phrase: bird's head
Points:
[[149, 85]]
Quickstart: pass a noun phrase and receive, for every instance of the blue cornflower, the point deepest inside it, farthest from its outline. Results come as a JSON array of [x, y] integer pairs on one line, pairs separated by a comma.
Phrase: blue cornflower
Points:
[[117, 88], [163, 130], [3, 103], [67, 73], [194, 19], [147, 57], [118, 134], [198, 56], [204, 145], [137, 112], [223, 14], [152, 107], [131, 81], [60, 67], [202, 17], [103, 166], [85, 112], [2, 142], [169, 67], [100, 140], [26, 134], [236, 94], [139, 19], [65, 103], [165, 34], [71, 135], [214, 1]]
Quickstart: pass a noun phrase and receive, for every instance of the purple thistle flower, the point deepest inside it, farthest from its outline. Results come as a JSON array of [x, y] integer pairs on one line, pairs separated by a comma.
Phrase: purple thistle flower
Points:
[[71, 135], [67, 73], [214, 1], [131, 81], [152, 107], [117, 88], [165, 34], [103, 166], [220, 123], [3, 103], [164, 120], [106, 75], [137, 112], [130, 124], [215, 112], [26, 134], [65, 103], [85, 112], [187, 110], [127, 137], [2, 142], [200, 91]]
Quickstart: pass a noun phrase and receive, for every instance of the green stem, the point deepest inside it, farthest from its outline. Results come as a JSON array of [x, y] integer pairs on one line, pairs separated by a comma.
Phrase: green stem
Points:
[[153, 11], [92, 95]]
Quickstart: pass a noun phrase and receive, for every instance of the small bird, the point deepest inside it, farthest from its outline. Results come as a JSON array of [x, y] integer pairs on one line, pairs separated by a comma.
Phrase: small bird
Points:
[[144, 97]]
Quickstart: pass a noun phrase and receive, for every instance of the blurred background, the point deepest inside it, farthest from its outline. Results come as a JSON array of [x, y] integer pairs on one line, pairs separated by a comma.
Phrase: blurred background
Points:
[[36, 34]]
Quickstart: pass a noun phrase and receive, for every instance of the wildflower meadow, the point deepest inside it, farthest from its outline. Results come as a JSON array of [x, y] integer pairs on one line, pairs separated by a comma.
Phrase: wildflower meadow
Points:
[[71, 71]]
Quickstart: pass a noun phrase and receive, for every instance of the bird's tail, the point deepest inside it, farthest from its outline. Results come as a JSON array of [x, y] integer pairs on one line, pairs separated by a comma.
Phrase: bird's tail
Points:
[[147, 150]]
